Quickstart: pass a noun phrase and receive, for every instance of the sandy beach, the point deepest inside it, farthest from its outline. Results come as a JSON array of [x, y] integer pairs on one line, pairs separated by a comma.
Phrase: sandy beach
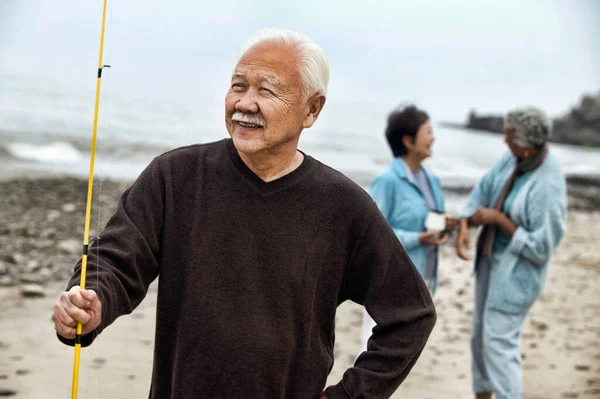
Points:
[[40, 239]]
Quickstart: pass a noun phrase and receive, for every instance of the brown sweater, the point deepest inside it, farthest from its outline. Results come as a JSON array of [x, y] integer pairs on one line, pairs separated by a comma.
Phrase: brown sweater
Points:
[[250, 276]]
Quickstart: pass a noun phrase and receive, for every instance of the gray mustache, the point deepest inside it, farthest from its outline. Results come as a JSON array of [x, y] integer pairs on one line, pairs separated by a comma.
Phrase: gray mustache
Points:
[[248, 118]]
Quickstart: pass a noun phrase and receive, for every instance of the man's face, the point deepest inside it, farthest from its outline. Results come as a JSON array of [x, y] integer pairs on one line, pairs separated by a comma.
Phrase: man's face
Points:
[[264, 107]]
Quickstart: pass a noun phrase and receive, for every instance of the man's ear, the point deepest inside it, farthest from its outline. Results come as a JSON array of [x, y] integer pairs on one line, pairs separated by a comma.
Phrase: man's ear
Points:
[[315, 105]]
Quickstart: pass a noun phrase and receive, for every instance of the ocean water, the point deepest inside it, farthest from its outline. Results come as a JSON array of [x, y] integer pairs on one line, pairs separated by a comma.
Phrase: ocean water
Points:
[[46, 127]]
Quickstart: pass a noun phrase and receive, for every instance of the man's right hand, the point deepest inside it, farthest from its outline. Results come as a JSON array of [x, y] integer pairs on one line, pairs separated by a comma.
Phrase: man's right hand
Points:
[[463, 240], [77, 306]]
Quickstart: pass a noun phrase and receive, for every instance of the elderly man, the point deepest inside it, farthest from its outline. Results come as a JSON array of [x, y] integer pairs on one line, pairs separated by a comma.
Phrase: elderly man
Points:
[[255, 245]]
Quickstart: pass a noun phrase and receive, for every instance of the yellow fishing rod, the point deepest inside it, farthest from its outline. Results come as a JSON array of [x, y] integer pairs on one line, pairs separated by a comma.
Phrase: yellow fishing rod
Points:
[[88, 209]]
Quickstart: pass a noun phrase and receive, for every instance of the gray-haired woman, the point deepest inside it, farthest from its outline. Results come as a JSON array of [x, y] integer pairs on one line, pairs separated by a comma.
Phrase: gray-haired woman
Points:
[[521, 205]]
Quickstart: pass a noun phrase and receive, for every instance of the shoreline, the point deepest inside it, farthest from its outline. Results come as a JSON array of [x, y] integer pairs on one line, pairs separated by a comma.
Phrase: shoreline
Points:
[[583, 190]]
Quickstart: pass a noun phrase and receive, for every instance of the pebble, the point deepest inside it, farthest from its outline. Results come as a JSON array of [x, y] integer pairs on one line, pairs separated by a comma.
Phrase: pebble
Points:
[[7, 281], [69, 208], [52, 215], [32, 266], [32, 291], [70, 247]]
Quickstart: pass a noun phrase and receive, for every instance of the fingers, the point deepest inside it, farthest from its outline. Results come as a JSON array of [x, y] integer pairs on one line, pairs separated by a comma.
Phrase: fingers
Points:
[[92, 298], [426, 238], [442, 240], [71, 309], [462, 243], [75, 297], [89, 295], [462, 255], [63, 323], [459, 251]]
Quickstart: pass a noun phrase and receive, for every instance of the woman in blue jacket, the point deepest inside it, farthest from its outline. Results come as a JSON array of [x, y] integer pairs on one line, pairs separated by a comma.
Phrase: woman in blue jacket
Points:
[[521, 205], [406, 193]]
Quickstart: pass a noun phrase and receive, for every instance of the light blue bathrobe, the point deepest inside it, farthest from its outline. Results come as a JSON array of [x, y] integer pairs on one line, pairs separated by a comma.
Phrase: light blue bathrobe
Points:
[[539, 210], [403, 204]]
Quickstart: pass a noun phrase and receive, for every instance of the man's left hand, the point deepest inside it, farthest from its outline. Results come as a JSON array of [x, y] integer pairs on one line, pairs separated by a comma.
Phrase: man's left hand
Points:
[[484, 216]]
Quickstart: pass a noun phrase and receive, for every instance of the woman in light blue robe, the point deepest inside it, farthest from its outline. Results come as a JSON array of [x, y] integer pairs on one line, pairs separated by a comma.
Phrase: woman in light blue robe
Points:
[[406, 193], [520, 205]]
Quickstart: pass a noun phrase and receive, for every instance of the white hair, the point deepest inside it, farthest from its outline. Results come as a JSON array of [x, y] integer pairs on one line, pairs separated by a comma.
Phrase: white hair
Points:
[[532, 126], [313, 68]]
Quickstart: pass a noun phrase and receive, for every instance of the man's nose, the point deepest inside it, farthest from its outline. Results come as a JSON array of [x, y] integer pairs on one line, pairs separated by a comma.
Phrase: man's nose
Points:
[[248, 103]]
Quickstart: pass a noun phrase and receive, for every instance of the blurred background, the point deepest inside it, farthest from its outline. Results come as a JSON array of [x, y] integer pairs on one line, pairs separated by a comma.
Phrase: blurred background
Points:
[[171, 63], [465, 62]]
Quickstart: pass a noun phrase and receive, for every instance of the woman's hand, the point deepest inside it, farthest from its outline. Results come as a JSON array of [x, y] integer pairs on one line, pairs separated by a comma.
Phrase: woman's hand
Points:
[[463, 240], [450, 224], [432, 238], [484, 216]]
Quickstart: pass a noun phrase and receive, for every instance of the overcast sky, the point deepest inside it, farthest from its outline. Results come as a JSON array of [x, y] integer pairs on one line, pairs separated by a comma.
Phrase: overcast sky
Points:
[[448, 56]]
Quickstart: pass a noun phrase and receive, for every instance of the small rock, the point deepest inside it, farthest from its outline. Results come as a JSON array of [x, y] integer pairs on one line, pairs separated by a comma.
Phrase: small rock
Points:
[[69, 208], [7, 259], [31, 278], [28, 231], [32, 291], [42, 244], [99, 361], [22, 372], [32, 266], [445, 282], [7, 281], [70, 247], [17, 259], [540, 326], [53, 215], [7, 392], [45, 274], [581, 367], [48, 233]]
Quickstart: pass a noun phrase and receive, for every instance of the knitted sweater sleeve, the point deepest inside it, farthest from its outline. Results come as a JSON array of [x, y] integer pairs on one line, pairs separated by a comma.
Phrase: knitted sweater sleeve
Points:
[[124, 261], [382, 277]]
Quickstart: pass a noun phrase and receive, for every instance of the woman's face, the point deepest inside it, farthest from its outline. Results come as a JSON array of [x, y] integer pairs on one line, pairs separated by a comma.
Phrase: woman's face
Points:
[[509, 139], [420, 146]]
